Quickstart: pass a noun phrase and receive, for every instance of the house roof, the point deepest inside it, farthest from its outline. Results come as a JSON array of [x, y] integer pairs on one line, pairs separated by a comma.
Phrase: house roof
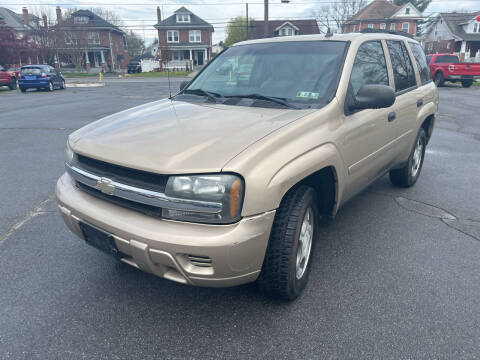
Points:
[[95, 22], [376, 10], [171, 21], [454, 21], [305, 27], [14, 20]]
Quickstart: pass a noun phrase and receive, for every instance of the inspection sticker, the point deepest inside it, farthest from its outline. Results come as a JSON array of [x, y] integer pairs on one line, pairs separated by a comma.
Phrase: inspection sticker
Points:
[[308, 95]]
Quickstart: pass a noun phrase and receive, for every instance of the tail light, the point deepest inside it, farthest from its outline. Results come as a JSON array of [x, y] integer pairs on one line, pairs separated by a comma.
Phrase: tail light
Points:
[[43, 75]]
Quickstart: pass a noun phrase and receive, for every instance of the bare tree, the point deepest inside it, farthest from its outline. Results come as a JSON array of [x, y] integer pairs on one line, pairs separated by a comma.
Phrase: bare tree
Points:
[[333, 16]]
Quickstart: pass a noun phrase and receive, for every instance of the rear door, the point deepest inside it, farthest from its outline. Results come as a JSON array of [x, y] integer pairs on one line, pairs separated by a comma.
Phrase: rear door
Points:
[[366, 145], [408, 97]]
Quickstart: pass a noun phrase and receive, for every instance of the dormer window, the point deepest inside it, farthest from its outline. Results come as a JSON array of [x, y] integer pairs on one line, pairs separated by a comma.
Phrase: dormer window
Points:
[[407, 11], [286, 31], [183, 18], [80, 20]]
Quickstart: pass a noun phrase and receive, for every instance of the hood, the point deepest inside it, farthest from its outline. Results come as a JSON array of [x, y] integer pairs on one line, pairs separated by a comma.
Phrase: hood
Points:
[[178, 137]]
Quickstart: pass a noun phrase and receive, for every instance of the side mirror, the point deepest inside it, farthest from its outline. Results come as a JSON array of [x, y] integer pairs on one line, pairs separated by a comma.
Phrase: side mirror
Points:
[[374, 97], [183, 85]]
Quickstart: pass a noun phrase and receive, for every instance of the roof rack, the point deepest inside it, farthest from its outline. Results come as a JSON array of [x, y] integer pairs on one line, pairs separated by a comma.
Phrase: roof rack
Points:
[[384, 31]]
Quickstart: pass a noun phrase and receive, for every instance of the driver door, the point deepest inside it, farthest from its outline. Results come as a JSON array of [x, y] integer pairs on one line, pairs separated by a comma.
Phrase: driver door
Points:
[[368, 135]]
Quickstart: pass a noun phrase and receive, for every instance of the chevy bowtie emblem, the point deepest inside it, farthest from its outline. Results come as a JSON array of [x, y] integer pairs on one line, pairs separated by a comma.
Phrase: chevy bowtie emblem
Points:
[[105, 186]]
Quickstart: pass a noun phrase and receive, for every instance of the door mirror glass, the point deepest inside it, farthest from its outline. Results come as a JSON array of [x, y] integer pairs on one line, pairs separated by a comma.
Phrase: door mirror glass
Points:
[[374, 97]]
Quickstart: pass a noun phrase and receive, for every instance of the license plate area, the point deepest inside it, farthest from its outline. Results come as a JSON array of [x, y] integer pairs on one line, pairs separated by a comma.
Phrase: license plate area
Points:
[[30, 78], [100, 239]]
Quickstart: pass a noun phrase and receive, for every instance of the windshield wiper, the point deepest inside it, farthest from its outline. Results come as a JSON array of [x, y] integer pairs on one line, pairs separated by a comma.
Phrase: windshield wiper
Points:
[[276, 100], [210, 95]]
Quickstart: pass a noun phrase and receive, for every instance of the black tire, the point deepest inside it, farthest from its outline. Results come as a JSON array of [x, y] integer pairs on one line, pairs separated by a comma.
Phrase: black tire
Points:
[[278, 277], [23, 90], [13, 84], [404, 177], [467, 83], [50, 86], [63, 86], [438, 79]]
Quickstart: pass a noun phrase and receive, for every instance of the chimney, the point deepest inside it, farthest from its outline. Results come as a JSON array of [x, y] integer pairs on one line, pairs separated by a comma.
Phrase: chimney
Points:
[[159, 14], [26, 20], [45, 22], [59, 14]]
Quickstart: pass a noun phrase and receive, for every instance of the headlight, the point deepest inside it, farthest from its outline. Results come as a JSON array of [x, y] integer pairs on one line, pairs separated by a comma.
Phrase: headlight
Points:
[[69, 155], [225, 189]]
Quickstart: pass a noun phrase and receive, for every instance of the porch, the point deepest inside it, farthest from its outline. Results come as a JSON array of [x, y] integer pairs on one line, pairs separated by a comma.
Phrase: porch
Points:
[[468, 51], [187, 58], [90, 60]]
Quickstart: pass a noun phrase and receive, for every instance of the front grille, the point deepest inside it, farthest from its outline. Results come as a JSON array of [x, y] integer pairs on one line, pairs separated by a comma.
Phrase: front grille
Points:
[[122, 174], [145, 209]]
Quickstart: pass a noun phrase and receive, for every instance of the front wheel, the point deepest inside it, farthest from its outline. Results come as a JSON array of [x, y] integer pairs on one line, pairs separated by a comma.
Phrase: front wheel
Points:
[[23, 89], [50, 86], [467, 83], [13, 84], [63, 86], [287, 260], [407, 176], [439, 80]]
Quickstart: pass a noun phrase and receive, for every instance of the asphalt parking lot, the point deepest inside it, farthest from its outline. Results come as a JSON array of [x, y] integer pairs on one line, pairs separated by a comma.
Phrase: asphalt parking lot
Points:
[[395, 276]]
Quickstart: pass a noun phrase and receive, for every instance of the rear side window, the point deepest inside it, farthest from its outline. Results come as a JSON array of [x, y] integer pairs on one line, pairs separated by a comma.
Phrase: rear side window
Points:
[[422, 64], [369, 67], [446, 59], [402, 65]]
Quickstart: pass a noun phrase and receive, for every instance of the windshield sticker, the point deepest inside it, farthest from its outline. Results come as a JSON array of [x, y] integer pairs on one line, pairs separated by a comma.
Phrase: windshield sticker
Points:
[[308, 95]]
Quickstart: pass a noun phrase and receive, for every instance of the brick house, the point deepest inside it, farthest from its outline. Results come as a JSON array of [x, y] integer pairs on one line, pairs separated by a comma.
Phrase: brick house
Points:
[[454, 33], [86, 41], [282, 28], [382, 14], [184, 39]]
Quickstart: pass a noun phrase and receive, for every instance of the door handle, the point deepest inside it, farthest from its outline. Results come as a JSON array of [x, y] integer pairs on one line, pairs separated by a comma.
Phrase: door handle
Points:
[[419, 102], [392, 116]]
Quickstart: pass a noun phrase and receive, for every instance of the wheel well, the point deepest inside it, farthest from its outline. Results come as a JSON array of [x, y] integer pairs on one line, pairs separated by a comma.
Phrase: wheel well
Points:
[[325, 183], [427, 125]]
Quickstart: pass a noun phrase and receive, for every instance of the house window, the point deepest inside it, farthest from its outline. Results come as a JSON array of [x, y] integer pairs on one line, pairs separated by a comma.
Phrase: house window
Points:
[[195, 36], [383, 26], [392, 26], [178, 55], [448, 45], [93, 38], [124, 38], [370, 26], [407, 11], [354, 28], [405, 27], [172, 36], [69, 38], [80, 20], [286, 31], [185, 18]]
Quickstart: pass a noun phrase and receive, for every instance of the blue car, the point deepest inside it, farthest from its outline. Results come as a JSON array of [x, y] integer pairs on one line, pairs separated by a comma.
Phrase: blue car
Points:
[[40, 77]]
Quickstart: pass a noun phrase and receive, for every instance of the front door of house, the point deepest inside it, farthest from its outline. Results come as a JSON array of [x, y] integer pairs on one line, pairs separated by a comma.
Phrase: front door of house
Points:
[[200, 57]]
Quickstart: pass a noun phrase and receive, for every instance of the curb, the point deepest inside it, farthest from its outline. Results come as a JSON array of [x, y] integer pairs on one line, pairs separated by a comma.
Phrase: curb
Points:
[[75, 85]]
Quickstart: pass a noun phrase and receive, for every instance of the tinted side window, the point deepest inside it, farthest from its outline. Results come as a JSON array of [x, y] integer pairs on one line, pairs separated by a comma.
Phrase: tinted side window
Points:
[[422, 65], [446, 59], [369, 67], [402, 65]]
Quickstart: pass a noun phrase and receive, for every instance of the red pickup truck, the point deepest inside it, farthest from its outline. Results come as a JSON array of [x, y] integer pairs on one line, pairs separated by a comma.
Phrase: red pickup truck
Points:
[[8, 78], [447, 67]]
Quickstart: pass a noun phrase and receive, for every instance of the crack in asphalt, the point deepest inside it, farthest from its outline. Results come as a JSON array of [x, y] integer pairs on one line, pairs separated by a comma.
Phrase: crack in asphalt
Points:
[[466, 226], [37, 210]]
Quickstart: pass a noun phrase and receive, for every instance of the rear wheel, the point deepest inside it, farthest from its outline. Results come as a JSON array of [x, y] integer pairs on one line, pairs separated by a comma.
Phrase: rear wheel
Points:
[[50, 86], [467, 83], [63, 87], [408, 175], [439, 80], [287, 261], [13, 84], [23, 89]]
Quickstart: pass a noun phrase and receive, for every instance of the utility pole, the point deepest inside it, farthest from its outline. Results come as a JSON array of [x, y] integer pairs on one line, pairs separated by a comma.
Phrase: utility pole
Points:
[[247, 18], [265, 21]]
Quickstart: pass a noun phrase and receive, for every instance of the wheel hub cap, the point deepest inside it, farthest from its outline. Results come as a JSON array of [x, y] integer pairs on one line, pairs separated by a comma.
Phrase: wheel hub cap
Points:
[[304, 243], [417, 157]]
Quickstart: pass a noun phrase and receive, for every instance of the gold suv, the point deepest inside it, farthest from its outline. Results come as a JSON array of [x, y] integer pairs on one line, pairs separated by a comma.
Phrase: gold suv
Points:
[[227, 181]]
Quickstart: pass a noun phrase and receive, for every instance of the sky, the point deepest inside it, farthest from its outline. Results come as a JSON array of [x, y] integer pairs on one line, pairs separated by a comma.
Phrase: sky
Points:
[[140, 15]]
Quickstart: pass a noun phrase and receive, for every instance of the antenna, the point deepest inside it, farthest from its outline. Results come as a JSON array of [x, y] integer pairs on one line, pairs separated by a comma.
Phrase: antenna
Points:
[[169, 85]]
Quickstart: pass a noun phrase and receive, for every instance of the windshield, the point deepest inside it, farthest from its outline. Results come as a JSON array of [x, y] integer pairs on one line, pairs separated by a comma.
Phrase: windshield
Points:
[[298, 74]]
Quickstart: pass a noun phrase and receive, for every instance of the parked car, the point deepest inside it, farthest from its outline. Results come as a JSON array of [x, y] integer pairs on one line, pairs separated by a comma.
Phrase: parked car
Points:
[[447, 67], [8, 78], [134, 67], [40, 77], [15, 70], [228, 181]]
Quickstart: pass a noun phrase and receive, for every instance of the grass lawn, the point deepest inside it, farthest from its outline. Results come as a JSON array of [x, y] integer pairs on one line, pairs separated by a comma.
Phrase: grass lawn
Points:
[[159, 74], [476, 83]]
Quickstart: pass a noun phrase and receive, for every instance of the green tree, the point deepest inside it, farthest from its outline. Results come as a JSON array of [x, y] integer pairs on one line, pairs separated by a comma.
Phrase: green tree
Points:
[[421, 5], [236, 30], [135, 45]]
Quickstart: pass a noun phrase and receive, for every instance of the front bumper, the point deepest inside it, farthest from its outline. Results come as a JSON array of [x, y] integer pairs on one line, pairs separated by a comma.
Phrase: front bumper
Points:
[[463, 77], [166, 248]]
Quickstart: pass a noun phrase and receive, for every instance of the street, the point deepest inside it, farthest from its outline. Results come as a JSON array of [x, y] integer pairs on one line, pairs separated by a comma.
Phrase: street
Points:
[[396, 275]]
